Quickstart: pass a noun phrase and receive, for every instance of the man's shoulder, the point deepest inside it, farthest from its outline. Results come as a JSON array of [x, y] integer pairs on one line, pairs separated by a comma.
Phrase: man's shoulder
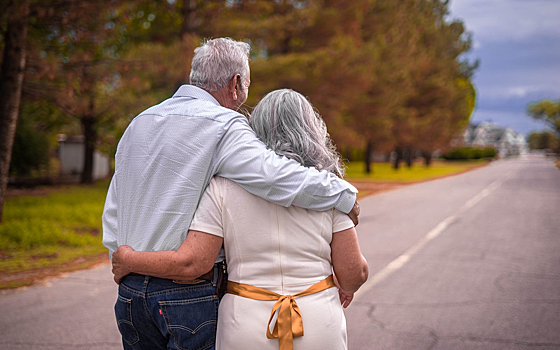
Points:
[[192, 108]]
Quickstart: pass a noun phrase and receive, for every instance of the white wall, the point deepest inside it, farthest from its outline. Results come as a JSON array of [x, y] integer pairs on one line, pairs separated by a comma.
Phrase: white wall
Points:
[[71, 156]]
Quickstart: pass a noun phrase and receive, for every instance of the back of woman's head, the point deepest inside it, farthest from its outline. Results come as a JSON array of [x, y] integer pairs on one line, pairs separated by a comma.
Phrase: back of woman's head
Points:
[[289, 125]]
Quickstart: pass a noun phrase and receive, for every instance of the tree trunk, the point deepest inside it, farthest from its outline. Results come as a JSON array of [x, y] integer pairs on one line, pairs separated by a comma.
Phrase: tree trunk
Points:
[[398, 151], [90, 136], [427, 158], [368, 157], [189, 15], [188, 12], [408, 156], [11, 81]]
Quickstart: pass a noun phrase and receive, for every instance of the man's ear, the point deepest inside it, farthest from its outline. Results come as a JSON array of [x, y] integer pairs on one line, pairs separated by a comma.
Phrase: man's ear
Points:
[[233, 86]]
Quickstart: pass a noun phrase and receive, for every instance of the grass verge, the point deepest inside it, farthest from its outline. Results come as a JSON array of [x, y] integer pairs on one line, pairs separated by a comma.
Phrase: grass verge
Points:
[[383, 177], [58, 230], [384, 172]]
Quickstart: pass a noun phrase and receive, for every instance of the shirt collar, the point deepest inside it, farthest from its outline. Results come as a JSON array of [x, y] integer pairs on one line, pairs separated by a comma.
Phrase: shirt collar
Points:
[[195, 92]]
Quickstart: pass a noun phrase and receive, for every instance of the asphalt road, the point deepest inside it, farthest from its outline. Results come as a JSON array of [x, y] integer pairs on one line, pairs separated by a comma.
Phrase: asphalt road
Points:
[[466, 262]]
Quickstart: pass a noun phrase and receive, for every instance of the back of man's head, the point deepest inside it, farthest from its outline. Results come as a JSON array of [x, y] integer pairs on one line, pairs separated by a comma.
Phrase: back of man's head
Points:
[[216, 61]]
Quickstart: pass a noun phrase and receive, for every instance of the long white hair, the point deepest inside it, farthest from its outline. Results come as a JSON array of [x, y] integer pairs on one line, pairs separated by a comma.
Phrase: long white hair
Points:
[[289, 125]]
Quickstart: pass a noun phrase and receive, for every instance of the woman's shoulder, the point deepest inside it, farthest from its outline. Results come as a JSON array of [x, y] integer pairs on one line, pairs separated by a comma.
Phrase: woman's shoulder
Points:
[[223, 183], [229, 188]]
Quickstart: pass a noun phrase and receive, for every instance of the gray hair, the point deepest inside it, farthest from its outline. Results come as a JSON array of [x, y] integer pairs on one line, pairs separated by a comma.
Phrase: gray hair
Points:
[[288, 124], [216, 61]]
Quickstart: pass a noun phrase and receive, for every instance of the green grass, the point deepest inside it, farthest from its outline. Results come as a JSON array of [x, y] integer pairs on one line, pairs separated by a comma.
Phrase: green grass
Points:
[[384, 172], [51, 230]]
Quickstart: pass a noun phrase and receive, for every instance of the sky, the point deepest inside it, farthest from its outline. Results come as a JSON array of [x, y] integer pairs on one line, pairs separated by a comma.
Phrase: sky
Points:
[[518, 45]]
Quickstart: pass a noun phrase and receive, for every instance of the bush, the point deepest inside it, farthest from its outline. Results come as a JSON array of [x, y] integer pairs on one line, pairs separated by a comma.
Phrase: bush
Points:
[[466, 153], [489, 152], [30, 152]]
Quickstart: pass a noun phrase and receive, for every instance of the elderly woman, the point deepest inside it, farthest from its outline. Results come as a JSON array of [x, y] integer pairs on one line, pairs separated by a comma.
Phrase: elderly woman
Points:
[[280, 260]]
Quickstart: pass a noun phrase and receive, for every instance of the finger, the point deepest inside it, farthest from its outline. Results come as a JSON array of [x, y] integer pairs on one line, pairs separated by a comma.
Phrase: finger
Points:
[[354, 218], [355, 212]]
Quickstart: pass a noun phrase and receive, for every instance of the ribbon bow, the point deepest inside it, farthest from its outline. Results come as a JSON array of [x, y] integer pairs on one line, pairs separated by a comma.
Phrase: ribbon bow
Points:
[[289, 324]]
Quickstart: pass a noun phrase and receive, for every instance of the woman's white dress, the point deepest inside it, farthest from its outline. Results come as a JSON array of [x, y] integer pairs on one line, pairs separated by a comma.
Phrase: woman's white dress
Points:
[[284, 250]]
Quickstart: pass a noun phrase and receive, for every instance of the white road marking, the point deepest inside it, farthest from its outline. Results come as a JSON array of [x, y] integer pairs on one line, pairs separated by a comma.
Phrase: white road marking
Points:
[[402, 259]]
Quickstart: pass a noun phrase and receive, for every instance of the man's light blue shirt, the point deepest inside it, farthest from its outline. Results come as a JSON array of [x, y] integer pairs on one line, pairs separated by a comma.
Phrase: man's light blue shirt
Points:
[[169, 153]]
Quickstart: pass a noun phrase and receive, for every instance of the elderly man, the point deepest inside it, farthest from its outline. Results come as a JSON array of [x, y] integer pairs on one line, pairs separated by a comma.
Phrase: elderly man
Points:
[[164, 162]]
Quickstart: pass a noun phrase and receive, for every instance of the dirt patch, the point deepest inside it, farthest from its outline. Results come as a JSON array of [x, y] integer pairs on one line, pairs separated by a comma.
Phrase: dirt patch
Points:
[[27, 278], [87, 231], [38, 191], [44, 256], [370, 188]]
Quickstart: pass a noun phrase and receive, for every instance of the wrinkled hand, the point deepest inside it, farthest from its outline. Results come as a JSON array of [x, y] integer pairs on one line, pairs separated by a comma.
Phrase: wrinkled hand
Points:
[[354, 213], [345, 298], [119, 266]]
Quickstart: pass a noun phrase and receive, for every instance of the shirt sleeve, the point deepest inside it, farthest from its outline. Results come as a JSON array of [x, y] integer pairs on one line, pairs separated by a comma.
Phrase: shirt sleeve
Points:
[[110, 219], [208, 216], [243, 158], [341, 222]]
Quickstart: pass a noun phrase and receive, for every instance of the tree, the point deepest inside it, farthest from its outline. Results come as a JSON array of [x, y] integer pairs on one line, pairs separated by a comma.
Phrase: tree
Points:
[[547, 111], [389, 27], [11, 80], [442, 97], [74, 48], [381, 73], [544, 140]]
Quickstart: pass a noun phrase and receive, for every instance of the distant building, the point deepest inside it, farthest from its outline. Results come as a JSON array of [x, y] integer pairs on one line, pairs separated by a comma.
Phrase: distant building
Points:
[[506, 141], [71, 154]]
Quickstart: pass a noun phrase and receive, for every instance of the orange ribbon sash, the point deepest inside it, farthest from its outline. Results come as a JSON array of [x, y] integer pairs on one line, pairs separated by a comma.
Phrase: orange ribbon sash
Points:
[[289, 324]]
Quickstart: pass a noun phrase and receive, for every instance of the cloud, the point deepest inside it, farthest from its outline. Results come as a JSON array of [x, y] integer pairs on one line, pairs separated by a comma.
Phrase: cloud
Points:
[[529, 68], [499, 20]]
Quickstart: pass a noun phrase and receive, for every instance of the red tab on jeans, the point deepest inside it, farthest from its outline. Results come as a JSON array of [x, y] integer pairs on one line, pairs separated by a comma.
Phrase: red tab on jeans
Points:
[[161, 313]]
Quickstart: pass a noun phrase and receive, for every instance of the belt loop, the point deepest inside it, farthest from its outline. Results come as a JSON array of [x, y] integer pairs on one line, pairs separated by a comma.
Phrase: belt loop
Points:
[[216, 271], [145, 286]]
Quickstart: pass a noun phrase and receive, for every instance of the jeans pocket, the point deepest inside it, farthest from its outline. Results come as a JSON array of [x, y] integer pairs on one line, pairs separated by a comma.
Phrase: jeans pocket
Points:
[[123, 313], [192, 322]]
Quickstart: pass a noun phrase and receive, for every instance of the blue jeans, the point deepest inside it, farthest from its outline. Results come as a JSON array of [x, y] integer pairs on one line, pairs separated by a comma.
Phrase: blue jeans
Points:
[[155, 313]]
